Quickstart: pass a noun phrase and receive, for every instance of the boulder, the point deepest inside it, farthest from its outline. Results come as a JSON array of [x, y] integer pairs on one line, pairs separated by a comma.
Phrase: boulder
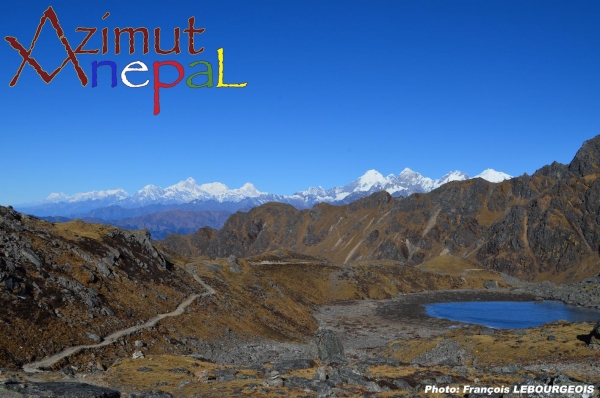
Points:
[[31, 257], [273, 379], [293, 364], [93, 336], [137, 354], [491, 284], [213, 267], [233, 264], [594, 341], [446, 352], [327, 347]]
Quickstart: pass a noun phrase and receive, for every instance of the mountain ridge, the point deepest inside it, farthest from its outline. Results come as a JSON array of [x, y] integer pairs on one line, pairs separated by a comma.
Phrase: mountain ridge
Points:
[[218, 197], [539, 227]]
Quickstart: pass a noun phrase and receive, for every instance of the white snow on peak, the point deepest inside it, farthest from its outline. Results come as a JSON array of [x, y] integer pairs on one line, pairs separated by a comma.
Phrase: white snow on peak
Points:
[[492, 175], [110, 194], [188, 190], [408, 172], [214, 188], [150, 192], [250, 190], [369, 179], [57, 197]]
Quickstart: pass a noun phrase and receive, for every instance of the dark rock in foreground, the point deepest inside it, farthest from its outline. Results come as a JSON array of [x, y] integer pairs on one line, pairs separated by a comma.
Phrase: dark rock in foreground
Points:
[[595, 337], [57, 389]]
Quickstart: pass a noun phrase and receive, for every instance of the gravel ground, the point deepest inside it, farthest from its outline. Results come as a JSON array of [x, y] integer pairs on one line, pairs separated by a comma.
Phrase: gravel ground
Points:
[[365, 327]]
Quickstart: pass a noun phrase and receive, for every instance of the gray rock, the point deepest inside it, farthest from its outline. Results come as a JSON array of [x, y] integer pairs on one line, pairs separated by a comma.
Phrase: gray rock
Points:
[[180, 370], [137, 355], [284, 366], [327, 347], [487, 332], [233, 264], [62, 390], [222, 375], [235, 268], [299, 382], [144, 369], [89, 298], [321, 374], [278, 382], [102, 268], [150, 394], [377, 361], [213, 267], [508, 369], [444, 379], [93, 336], [373, 387], [594, 341], [107, 311], [347, 375], [491, 284], [402, 384], [31, 257], [446, 352], [273, 379], [324, 391]]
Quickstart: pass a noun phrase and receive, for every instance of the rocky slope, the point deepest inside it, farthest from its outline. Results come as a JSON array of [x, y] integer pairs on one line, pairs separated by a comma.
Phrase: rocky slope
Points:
[[71, 283], [538, 227]]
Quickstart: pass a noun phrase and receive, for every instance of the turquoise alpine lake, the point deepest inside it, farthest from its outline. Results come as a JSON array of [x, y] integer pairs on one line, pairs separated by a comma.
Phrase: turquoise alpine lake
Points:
[[511, 314]]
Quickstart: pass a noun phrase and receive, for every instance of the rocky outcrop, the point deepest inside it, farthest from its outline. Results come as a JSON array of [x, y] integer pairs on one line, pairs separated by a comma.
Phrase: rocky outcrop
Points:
[[73, 283], [594, 341], [587, 159], [446, 352], [327, 347], [57, 390], [585, 293]]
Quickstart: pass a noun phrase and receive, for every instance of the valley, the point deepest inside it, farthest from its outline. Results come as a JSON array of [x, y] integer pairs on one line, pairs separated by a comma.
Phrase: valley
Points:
[[319, 302]]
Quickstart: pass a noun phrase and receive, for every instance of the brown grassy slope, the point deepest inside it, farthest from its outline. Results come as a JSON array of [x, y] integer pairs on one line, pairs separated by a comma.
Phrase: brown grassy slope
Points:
[[60, 282], [538, 227], [269, 301]]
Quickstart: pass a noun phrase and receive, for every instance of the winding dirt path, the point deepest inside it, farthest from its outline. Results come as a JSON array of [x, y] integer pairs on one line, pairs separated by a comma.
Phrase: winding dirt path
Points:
[[111, 338]]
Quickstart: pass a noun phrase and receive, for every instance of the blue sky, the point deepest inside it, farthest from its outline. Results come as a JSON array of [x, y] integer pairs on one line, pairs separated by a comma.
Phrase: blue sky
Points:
[[334, 88]]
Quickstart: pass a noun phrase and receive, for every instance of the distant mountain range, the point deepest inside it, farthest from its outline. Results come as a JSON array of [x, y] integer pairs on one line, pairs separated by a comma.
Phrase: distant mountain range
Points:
[[189, 196], [544, 226]]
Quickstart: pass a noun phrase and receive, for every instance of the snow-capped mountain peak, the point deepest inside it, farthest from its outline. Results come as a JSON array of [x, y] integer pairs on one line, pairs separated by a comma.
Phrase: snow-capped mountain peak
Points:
[[492, 175], [149, 193], [189, 184], [369, 179], [214, 188], [451, 176], [408, 173], [108, 195], [56, 197], [250, 190], [188, 191]]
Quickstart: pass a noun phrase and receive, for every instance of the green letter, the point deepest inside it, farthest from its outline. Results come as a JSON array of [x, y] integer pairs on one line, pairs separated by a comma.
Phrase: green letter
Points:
[[208, 73]]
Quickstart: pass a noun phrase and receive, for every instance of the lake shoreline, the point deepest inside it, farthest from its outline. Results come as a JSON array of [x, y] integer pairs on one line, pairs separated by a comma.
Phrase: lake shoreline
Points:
[[412, 306]]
